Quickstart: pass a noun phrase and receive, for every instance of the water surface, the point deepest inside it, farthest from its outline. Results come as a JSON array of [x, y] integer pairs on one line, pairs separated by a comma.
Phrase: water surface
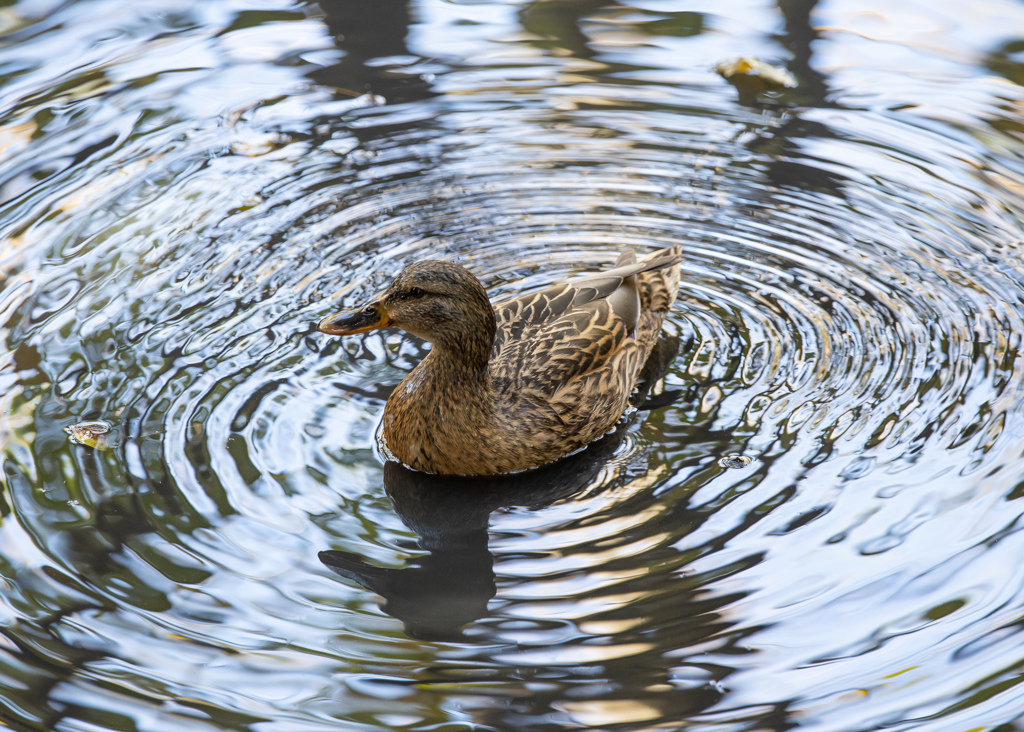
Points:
[[818, 527]]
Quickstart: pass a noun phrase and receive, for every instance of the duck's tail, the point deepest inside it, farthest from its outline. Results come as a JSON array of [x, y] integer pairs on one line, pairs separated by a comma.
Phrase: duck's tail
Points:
[[657, 283], [659, 280]]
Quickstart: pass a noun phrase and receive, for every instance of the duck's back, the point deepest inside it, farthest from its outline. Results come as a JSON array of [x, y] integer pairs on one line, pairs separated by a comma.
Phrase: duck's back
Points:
[[565, 359]]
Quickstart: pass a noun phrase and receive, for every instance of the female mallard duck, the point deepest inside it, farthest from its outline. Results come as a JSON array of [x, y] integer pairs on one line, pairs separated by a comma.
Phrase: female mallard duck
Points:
[[519, 384]]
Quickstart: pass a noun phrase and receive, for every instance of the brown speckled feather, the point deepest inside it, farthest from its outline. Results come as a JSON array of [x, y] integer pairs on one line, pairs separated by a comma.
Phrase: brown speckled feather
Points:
[[547, 338], [527, 382]]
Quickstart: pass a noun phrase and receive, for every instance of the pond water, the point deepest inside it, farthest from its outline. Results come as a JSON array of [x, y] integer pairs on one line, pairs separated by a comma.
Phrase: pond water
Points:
[[818, 525]]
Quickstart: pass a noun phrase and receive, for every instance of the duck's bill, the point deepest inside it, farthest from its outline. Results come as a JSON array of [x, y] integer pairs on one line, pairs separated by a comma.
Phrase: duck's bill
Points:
[[355, 321]]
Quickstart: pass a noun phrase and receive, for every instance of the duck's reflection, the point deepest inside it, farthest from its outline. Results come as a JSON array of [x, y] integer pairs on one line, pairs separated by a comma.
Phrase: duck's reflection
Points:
[[437, 594]]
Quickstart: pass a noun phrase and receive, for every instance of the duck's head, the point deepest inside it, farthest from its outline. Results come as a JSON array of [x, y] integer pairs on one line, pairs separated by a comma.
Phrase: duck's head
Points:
[[441, 302]]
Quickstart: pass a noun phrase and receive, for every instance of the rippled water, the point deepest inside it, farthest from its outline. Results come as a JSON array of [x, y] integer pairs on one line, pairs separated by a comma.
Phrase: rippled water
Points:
[[818, 526]]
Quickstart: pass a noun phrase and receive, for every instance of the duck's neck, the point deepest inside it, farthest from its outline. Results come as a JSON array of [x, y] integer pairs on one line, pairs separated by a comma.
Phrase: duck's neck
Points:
[[449, 389], [466, 350]]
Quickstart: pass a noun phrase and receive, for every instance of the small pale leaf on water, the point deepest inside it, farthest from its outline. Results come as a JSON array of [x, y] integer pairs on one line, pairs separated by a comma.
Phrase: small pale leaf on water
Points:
[[736, 460], [755, 75], [91, 434]]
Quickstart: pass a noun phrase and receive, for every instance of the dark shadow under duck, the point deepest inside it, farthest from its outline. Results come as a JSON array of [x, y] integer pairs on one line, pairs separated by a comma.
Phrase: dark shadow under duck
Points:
[[517, 385]]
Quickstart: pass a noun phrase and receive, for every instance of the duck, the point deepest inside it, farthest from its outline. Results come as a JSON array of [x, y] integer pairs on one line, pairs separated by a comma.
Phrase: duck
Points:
[[512, 386]]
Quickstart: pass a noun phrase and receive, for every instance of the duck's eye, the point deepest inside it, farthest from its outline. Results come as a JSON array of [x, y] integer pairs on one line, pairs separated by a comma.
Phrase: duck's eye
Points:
[[369, 310], [415, 292]]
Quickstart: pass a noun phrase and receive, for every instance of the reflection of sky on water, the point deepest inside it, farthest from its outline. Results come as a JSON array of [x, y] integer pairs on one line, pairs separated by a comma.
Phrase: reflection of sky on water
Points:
[[185, 189]]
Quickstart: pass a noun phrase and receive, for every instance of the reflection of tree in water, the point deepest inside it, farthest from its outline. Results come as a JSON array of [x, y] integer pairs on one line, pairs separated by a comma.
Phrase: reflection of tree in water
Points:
[[367, 30], [558, 23], [561, 27], [798, 38], [1007, 61]]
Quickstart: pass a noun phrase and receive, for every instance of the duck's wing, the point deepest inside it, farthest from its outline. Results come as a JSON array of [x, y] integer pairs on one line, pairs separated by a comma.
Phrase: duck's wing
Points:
[[554, 352], [546, 338], [523, 316]]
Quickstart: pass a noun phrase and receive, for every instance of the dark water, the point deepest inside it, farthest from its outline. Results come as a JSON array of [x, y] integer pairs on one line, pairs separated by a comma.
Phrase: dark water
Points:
[[822, 528]]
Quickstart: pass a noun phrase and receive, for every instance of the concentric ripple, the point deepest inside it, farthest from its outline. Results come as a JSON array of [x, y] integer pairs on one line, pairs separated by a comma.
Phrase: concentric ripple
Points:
[[810, 520]]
